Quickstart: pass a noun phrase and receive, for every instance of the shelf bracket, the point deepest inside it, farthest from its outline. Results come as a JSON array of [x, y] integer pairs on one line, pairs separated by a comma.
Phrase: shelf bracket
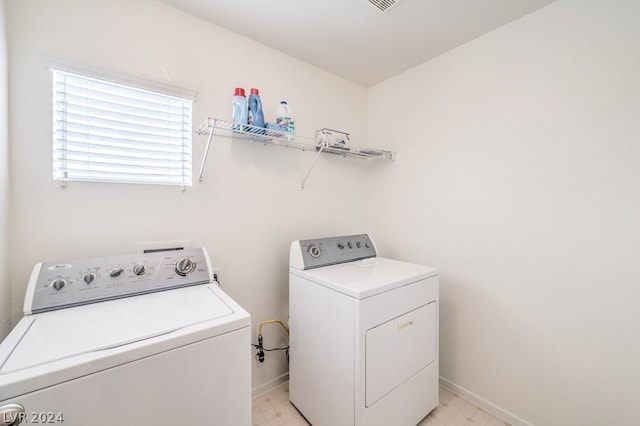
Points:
[[315, 160], [206, 150]]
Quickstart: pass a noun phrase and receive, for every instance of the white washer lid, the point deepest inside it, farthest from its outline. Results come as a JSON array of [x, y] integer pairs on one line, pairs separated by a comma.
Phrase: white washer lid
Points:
[[65, 333], [367, 277]]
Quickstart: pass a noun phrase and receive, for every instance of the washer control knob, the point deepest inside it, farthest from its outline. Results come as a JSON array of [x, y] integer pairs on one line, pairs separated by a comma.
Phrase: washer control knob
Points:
[[89, 277], [58, 283], [185, 266], [349, 244], [340, 246], [358, 244], [139, 269], [116, 272], [313, 250]]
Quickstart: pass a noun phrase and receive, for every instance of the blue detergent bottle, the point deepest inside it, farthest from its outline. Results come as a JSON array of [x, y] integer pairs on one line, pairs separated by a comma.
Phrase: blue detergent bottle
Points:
[[256, 116], [239, 117]]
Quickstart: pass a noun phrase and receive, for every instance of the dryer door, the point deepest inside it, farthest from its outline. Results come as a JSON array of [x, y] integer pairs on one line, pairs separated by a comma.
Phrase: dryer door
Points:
[[398, 349]]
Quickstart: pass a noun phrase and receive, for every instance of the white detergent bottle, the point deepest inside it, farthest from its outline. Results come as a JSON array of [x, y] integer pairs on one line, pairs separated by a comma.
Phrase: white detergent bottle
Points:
[[240, 111], [284, 117]]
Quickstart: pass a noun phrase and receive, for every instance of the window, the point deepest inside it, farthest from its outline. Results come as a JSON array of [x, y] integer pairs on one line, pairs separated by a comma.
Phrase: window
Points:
[[109, 132]]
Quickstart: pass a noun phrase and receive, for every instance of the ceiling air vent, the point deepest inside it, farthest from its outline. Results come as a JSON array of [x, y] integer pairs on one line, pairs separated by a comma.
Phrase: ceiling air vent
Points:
[[384, 5]]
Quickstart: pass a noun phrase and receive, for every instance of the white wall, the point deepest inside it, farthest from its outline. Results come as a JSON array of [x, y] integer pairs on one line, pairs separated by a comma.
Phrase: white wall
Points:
[[250, 206], [518, 175], [5, 286]]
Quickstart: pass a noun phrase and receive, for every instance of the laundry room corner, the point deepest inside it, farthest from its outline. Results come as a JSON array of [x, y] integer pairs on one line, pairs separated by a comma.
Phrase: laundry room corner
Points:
[[188, 211]]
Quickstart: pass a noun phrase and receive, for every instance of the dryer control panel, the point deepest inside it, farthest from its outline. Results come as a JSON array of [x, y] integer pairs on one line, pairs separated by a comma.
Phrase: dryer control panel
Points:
[[314, 253], [56, 285]]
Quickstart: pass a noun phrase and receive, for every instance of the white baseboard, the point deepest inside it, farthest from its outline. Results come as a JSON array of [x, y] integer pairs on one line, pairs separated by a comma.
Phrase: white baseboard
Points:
[[266, 387], [480, 402]]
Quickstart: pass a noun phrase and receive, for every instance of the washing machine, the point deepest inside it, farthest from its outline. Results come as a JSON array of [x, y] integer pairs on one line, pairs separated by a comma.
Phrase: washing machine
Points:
[[144, 339], [364, 334]]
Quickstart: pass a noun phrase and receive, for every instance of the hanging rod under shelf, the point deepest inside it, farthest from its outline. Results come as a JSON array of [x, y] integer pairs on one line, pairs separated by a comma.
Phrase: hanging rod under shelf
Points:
[[213, 126]]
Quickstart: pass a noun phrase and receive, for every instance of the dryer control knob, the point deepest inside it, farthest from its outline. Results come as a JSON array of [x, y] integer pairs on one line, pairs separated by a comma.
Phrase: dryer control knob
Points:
[[89, 277], [139, 269], [313, 250], [185, 266], [58, 283]]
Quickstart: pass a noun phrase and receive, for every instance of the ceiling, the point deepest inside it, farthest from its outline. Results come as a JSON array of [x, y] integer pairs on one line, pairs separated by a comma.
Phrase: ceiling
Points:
[[352, 38]]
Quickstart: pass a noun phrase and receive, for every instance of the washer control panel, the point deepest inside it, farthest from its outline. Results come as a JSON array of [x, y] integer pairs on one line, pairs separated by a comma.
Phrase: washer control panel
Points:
[[57, 285], [329, 251]]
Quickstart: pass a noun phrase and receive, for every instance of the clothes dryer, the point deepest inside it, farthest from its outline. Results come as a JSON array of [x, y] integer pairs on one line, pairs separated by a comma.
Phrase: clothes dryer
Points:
[[364, 334]]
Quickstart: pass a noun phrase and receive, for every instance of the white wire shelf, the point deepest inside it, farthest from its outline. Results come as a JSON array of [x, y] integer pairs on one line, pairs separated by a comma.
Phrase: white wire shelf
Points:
[[215, 127]]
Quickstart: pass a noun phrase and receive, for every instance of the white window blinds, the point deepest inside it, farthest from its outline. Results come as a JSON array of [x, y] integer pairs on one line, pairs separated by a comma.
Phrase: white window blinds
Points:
[[109, 132]]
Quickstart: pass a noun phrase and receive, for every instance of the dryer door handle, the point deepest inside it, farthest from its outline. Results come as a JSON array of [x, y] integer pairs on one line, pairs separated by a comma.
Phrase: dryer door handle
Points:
[[11, 415], [405, 325]]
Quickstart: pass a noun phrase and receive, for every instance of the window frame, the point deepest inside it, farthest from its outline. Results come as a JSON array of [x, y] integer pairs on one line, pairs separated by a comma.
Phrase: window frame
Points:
[[61, 67]]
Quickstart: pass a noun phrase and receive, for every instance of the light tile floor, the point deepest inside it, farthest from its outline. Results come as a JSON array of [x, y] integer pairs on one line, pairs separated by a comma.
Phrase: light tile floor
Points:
[[274, 409]]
